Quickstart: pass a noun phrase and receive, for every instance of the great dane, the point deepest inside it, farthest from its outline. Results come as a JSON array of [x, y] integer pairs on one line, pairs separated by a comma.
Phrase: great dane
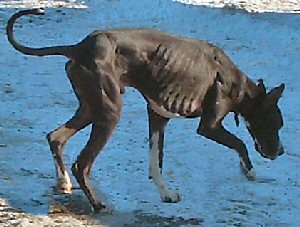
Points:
[[178, 77]]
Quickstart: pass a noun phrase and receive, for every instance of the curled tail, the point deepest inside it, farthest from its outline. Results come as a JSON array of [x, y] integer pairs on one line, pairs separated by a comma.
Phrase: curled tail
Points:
[[44, 51]]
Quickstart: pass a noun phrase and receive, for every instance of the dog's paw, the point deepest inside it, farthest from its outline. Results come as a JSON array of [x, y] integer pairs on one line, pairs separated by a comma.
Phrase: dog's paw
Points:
[[103, 209], [64, 187], [249, 173], [171, 197]]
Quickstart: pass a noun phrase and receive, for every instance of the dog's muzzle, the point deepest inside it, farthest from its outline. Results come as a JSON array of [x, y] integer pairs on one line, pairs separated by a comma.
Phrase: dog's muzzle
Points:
[[279, 152]]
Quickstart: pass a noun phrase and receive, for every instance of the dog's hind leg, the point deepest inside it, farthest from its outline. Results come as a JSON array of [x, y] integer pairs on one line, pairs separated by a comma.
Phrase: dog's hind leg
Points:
[[58, 138], [101, 93], [157, 125]]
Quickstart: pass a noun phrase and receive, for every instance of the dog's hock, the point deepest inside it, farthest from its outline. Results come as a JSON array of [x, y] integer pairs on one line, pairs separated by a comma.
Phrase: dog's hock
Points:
[[64, 184]]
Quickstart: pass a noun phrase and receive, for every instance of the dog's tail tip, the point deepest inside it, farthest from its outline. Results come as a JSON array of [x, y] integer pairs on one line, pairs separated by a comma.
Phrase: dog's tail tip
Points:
[[39, 11]]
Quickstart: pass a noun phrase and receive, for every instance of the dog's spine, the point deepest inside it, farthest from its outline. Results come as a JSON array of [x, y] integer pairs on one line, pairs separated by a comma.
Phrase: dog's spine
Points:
[[54, 50]]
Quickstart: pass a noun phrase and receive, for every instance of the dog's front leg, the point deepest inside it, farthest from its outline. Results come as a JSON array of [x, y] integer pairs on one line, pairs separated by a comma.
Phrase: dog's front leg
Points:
[[157, 124], [215, 108], [220, 135]]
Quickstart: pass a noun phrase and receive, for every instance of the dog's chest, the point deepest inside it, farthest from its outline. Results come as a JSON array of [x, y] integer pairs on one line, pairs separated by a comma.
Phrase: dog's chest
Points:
[[162, 111]]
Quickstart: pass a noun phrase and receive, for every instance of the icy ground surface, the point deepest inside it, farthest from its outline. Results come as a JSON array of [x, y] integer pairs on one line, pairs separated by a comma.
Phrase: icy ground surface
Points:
[[41, 3], [36, 97], [257, 6]]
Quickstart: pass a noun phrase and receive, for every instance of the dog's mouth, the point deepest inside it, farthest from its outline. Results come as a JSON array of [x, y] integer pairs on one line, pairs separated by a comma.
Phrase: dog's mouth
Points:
[[259, 149]]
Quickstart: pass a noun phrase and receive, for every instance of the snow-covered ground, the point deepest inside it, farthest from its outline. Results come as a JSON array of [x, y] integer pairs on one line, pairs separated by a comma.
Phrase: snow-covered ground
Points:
[[35, 97], [259, 6], [42, 3]]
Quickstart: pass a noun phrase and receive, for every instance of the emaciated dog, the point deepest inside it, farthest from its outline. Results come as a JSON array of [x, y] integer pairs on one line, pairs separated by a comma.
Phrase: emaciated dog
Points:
[[178, 77]]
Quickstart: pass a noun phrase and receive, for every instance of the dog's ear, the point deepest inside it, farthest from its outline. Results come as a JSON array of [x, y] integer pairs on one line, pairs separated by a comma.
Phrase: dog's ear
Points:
[[274, 95], [236, 119], [261, 86]]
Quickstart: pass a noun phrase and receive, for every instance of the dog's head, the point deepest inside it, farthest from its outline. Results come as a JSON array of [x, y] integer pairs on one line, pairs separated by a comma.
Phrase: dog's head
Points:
[[265, 120]]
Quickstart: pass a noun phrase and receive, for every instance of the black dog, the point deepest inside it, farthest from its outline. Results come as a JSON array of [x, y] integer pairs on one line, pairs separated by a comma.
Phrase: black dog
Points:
[[177, 77]]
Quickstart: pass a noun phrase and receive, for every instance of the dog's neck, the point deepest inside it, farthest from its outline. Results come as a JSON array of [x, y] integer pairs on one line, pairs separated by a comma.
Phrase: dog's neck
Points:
[[250, 93], [250, 88]]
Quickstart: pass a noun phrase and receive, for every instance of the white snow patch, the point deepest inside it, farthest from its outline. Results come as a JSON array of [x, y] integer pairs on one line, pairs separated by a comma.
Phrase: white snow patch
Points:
[[41, 3], [257, 6]]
